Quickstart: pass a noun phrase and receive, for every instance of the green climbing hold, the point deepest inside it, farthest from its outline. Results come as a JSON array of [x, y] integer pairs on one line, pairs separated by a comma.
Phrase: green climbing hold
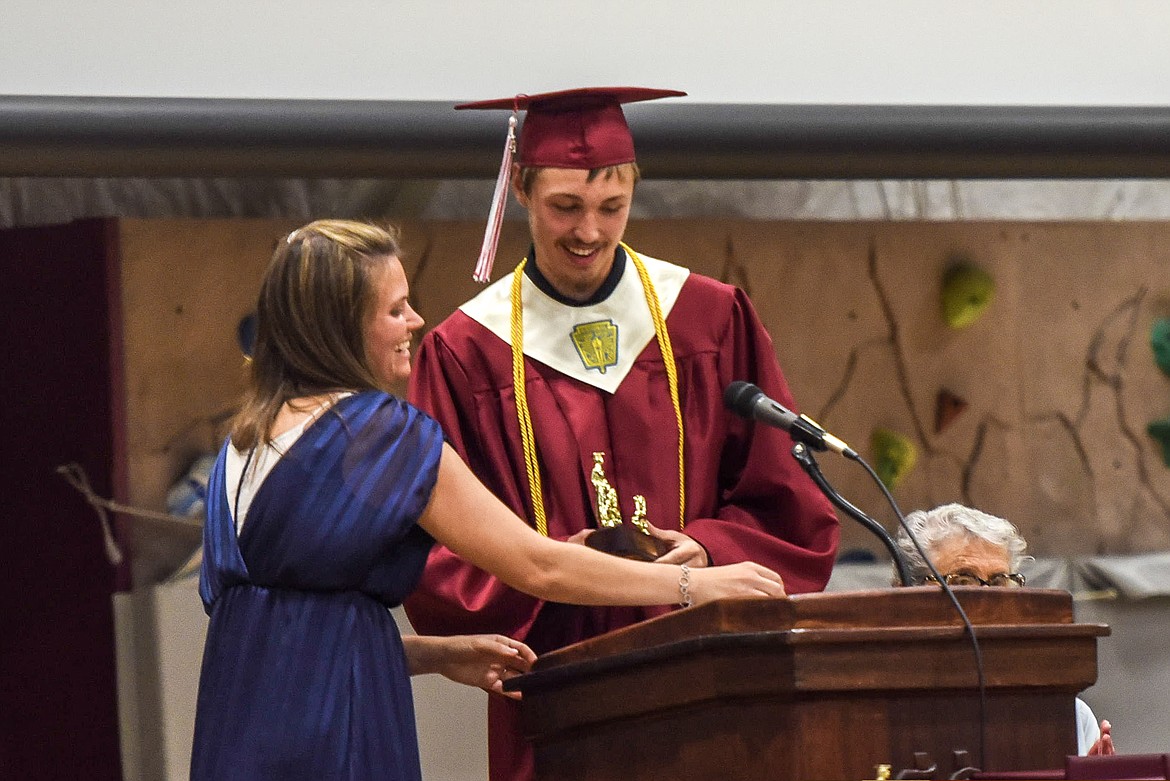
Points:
[[1160, 342], [1160, 430], [894, 456], [967, 291]]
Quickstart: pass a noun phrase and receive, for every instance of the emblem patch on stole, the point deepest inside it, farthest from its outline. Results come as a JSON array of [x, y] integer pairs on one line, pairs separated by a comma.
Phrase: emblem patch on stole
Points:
[[597, 344]]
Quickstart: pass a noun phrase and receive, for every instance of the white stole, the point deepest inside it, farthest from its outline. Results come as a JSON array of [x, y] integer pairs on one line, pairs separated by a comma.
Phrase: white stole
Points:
[[550, 326]]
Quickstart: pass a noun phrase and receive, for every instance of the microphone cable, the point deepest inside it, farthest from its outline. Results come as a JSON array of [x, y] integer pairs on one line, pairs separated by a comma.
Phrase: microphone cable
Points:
[[967, 625]]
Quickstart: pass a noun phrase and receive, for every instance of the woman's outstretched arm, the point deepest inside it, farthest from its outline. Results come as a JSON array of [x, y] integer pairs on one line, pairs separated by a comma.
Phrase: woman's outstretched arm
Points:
[[463, 515]]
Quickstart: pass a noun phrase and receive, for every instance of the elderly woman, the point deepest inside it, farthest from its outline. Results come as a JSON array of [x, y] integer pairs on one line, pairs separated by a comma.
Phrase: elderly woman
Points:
[[969, 547]]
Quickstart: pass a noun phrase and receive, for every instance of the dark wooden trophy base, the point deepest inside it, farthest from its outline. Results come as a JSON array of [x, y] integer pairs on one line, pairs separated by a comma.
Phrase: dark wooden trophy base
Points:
[[627, 541]]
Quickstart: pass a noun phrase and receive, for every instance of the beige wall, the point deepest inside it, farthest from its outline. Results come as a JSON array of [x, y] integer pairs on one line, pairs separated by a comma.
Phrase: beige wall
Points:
[[1058, 373]]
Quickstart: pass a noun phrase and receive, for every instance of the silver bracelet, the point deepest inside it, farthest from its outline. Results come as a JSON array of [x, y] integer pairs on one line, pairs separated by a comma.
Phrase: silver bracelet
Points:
[[684, 587]]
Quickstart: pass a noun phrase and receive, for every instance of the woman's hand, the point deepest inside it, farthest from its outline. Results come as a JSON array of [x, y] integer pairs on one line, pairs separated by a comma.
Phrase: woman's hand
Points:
[[746, 579], [485, 661]]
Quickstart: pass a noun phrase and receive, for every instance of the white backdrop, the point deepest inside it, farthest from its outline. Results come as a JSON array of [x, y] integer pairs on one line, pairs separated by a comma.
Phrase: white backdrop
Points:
[[1042, 52]]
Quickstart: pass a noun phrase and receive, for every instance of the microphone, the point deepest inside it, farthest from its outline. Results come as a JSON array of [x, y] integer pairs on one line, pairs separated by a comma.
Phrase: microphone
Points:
[[748, 401]]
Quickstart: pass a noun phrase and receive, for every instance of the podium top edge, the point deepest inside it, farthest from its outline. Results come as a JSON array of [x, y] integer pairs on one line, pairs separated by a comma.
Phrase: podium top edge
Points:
[[915, 606]]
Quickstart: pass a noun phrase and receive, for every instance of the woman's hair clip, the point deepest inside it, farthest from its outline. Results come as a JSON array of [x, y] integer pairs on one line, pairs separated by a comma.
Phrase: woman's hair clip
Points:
[[290, 238]]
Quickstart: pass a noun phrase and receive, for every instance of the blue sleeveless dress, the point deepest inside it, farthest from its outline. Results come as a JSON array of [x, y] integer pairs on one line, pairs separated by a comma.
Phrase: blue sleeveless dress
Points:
[[303, 673]]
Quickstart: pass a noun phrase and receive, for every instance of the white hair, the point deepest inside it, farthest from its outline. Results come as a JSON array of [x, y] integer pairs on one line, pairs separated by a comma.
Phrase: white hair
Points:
[[931, 527]]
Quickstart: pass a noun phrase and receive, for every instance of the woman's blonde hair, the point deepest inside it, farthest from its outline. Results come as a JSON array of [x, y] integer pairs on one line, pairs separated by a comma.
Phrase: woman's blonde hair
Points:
[[315, 299]]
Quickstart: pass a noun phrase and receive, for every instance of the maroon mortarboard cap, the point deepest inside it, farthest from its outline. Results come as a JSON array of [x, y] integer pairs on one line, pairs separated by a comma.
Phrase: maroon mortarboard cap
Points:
[[576, 128]]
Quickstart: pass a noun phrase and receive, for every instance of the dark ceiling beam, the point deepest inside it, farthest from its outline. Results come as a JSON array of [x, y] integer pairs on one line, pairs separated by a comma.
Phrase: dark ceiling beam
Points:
[[185, 137]]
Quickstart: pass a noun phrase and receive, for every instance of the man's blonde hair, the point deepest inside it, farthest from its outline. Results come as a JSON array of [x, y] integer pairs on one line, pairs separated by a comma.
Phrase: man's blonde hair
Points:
[[527, 175]]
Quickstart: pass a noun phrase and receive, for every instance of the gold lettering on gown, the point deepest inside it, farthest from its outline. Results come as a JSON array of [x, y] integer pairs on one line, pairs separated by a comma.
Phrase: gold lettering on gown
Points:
[[612, 536], [608, 512]]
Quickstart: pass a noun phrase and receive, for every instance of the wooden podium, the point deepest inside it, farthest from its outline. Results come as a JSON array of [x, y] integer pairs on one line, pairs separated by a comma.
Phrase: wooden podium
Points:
[[816, 687]]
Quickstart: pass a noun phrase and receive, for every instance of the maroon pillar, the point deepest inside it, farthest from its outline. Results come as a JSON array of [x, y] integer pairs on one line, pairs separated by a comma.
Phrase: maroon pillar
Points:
[[58, 697]]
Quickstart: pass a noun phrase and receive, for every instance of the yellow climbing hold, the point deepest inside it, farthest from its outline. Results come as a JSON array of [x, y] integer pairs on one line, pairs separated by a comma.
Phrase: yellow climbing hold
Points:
[[894, 456], [967, 291]]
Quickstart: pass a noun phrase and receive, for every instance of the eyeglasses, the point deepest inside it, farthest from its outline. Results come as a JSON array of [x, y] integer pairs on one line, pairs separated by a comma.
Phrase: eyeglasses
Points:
[[998, 580]]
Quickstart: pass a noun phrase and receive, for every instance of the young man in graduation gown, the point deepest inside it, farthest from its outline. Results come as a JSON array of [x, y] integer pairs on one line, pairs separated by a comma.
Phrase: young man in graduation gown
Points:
[[587, 348]]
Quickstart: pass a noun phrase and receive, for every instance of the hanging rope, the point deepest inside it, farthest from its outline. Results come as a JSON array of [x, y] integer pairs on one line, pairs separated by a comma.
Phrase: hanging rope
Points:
[[75, 475]]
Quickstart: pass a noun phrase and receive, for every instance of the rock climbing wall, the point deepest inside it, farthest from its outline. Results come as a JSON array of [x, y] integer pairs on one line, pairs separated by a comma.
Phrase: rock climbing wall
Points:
[[1045, 389]]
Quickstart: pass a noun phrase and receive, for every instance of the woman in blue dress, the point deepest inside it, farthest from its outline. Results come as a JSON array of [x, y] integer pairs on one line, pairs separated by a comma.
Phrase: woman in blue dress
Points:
[[323, 505]]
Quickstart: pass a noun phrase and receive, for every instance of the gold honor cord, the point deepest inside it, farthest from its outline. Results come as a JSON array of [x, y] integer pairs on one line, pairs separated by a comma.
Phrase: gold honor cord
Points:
[[524, 417], [671, 374], [522, 414]]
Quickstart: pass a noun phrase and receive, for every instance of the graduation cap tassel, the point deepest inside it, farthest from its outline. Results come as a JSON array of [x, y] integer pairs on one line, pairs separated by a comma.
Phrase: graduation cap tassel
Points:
[[491, 235]]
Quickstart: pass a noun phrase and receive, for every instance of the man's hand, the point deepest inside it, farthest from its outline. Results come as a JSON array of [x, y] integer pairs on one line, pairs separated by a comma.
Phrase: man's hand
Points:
[[579, 537], [683, 549]]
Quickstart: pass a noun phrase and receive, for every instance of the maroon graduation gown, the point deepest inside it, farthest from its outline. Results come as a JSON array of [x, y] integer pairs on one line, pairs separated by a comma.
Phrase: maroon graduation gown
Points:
[[746, 497]]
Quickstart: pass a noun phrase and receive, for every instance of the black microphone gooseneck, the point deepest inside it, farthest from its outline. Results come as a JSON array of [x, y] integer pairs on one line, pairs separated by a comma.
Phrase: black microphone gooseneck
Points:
[[804, 457], [748, 401]]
